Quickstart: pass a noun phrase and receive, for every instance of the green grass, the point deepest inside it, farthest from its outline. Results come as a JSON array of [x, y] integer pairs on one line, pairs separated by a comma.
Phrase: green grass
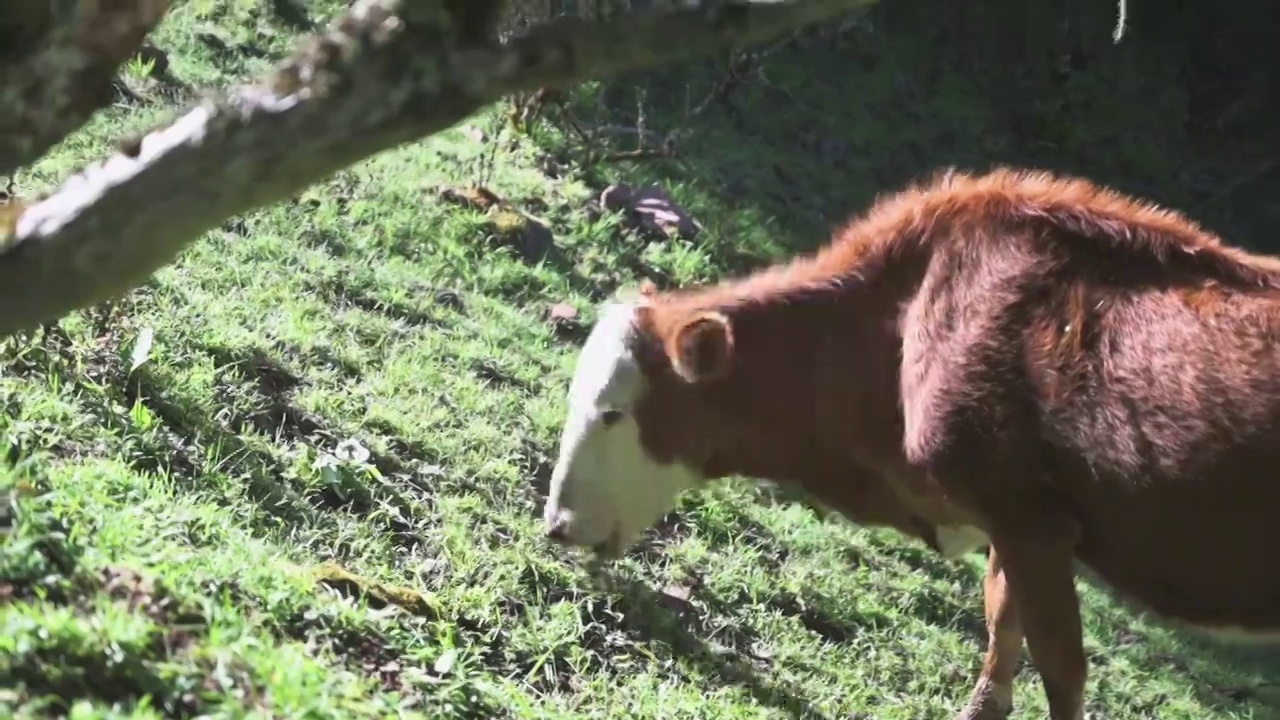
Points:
[[297, 474]]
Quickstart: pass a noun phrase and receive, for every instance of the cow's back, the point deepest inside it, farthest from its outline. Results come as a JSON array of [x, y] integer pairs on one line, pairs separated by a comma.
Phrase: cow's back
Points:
[[1167, 443]]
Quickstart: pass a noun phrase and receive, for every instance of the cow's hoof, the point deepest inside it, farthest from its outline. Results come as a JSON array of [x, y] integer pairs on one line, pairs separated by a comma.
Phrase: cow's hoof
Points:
[[990, 711], [986, 703]]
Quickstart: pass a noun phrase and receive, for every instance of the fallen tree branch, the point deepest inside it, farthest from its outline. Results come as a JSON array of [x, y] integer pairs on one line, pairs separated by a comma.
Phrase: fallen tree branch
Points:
[[385, 73], [59, 62]]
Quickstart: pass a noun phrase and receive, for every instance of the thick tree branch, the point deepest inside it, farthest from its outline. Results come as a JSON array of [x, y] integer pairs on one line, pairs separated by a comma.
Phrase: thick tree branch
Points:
[[387, 72], [57, 59]]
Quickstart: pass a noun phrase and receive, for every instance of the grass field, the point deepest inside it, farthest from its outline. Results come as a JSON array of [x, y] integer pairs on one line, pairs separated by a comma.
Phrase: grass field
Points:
[[297, 474]]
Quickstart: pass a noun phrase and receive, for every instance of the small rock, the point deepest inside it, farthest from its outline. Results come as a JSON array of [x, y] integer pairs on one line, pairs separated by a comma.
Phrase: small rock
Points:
[[659, 212], [507, 225], [564, 321], [561, 312], [678, 592], [617, 198], [474, 134], [676, 598], [652, 210], [531, 238]]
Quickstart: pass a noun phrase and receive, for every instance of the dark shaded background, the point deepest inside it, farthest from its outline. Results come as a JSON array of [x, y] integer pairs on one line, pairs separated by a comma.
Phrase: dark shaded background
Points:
[[1181, 111]]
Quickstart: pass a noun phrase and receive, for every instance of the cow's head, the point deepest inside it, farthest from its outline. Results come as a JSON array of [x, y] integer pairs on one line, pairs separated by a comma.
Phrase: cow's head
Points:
[[638, 430]]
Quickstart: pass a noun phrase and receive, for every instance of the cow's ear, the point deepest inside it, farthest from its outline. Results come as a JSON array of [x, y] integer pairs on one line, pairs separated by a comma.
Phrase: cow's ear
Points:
[[701, 347]]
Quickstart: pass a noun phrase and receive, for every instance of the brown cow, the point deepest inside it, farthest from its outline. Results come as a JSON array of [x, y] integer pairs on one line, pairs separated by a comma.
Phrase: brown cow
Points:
[[1014, 359]]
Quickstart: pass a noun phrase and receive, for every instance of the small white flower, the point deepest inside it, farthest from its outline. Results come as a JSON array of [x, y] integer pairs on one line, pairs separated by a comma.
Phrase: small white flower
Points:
[[327, 465], [324, 461]]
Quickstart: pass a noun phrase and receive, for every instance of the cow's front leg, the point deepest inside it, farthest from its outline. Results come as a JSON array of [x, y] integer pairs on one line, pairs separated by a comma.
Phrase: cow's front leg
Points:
[[1037, 564], [1033, 540], [992, 697]]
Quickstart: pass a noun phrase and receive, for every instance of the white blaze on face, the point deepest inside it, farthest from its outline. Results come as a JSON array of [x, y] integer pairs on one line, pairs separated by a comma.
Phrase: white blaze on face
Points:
[[605, 490]]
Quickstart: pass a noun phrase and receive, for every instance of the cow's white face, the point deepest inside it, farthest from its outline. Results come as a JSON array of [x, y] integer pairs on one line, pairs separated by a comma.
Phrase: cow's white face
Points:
[[605, 489]]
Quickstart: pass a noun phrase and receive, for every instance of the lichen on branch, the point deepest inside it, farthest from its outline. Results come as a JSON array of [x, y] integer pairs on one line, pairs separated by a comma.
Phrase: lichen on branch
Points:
[[57, 60]]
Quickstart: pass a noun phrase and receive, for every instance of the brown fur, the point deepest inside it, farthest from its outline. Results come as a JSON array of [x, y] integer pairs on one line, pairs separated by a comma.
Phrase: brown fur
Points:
[[1081, 375]]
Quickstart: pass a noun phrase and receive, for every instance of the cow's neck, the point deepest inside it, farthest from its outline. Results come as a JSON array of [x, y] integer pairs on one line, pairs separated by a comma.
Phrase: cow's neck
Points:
[[814, 388], [814, 395]]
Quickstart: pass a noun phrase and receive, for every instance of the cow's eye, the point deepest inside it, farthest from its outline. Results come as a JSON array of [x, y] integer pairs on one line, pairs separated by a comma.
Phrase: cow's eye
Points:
[[609, 417]]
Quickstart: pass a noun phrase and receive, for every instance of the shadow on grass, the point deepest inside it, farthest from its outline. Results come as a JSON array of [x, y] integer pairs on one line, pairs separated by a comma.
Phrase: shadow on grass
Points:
[[662, 619], [1224, 676], [75, 655], [167, 430]]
